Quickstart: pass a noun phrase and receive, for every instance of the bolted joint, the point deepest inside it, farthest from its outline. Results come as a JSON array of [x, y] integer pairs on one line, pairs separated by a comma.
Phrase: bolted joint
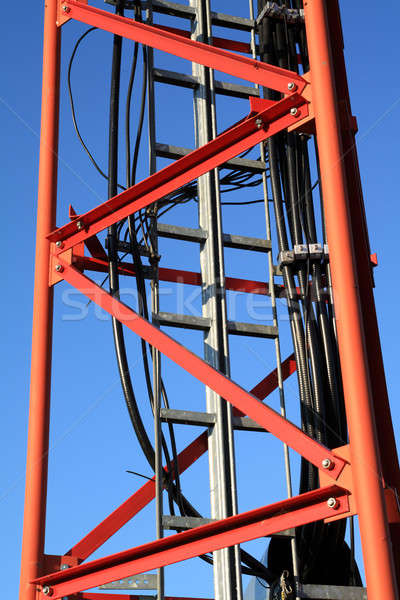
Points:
[[47, 591], [332, 503], [79, 225], [58, 268], [291, 86], [259, 123], [294, 111], [327, 463]]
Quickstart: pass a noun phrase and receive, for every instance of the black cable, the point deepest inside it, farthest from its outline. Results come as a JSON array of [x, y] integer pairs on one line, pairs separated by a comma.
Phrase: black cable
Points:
[[71, 100]]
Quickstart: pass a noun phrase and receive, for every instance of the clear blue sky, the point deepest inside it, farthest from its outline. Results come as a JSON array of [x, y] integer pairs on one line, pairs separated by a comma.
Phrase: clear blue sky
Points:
[[91, 441]]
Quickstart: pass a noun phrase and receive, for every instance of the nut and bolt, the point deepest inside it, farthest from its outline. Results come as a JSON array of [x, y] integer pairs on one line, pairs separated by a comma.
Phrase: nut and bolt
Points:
[[294, 111], [332, 503], [47, 591], [59, 244], [328, 464], [291, 86], [79, 225], [66, 9], [58, 268], [259, 123]]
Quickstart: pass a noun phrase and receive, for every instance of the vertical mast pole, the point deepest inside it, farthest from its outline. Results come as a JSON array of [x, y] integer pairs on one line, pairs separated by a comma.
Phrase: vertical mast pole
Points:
[[365, 460], [39, 405]]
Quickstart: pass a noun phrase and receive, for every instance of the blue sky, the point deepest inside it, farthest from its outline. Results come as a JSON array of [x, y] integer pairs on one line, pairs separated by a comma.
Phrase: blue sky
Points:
[[91, 441]]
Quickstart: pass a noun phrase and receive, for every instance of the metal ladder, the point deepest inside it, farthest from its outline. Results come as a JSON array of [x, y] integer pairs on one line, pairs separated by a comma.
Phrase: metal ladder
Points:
[[214, 323]]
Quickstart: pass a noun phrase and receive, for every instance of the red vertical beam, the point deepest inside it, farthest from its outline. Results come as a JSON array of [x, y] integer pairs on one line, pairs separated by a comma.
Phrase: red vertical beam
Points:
[[378, 560], [38, 427], [383, 419]]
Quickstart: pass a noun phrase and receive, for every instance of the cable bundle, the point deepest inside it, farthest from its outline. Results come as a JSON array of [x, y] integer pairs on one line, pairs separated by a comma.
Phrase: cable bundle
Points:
[[324, 557]]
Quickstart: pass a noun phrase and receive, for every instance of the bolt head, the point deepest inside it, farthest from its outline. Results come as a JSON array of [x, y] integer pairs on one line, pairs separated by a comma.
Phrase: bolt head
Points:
[[63, 567], [66, 9], [294, 111], [327, 463], [59, 244], [332, 503], [79, 225], [58, 268], [259, 123], [291, 86], [47, 591]]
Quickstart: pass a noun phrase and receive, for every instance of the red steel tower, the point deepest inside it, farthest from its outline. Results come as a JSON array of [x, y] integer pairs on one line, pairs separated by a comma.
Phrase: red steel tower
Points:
[[293, 63]]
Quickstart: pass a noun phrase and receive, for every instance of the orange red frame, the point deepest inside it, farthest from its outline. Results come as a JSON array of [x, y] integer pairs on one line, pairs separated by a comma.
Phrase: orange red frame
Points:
[[356, 484]]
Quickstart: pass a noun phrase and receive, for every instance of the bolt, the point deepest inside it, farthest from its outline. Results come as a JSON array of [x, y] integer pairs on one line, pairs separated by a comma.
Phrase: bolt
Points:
[[259, 123], [79, 225], [47, 591], [58, 268], [327, 463], [63, 567], [332, 503], [66, 9], [59, 244], [293, 111], [291, 86]]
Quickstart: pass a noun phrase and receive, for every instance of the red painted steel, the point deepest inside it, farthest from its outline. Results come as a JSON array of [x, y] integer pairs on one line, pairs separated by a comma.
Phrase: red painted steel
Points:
[[121, 515], [209, 56], [86, 263], [193, 542], [217, 42], [233, 393], [239, 138], [106, 596], [366, 468], [39, 405]]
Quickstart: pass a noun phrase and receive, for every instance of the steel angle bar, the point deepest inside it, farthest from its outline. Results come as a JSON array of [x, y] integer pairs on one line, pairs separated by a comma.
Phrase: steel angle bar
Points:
[[253, 524], [249, 132], [178, 276], [222, 60], [233, 393], [141, 498]]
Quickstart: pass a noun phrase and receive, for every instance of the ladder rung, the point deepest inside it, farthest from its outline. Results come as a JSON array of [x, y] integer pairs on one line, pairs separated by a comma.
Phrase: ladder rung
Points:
[[186, 234], [232, 22], [143, 581], [285, 533], [189, 234], [246, 424], [187, 417], [172, 8], [242, 242], [182, 321], [252, 329], [237, 91], [243, 164], [176, 522], [331, 592], [174, 78]]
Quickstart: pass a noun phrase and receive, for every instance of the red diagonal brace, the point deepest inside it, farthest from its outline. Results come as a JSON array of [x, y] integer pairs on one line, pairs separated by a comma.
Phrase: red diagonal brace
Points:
[[239, 138], [121, 515], [234, 530], [135, 503], [266, 417], [215, 58], [86, 263]]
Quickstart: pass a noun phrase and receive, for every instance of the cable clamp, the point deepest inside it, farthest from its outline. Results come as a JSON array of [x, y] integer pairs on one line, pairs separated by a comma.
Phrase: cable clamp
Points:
[[274, 10]]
